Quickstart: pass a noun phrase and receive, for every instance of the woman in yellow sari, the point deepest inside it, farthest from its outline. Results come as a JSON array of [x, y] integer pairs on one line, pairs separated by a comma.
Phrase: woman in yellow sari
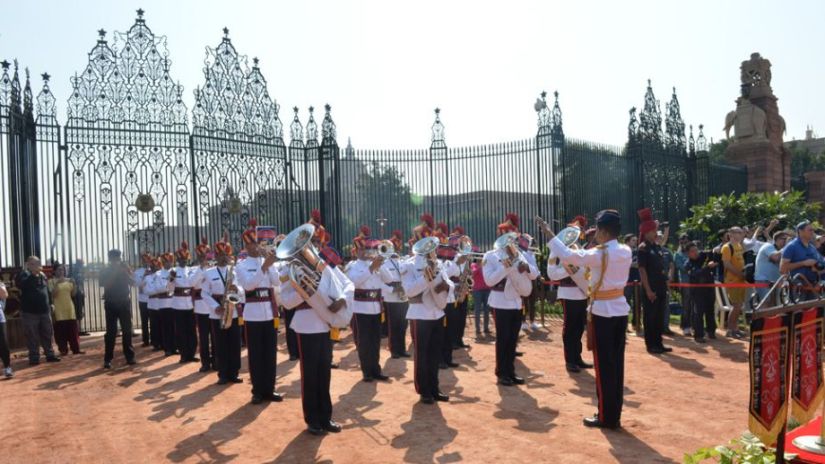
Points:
[[66, 332]]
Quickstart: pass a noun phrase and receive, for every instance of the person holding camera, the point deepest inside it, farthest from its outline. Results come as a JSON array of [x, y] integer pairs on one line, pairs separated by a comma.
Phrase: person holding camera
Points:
[[701, 270], [35, 309], [115, 280], [802, 260]]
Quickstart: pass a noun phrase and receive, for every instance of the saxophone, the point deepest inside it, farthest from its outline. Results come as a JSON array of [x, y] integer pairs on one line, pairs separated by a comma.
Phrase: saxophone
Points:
[[230, 300], [465, 283]]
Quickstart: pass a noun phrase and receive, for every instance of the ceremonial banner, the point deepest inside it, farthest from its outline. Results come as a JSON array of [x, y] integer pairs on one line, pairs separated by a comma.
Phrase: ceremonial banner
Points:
[[807, 389], [769, 356]]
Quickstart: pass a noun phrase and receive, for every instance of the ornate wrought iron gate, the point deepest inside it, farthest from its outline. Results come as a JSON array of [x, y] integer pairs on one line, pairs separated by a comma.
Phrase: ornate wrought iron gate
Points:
[[127, 172]]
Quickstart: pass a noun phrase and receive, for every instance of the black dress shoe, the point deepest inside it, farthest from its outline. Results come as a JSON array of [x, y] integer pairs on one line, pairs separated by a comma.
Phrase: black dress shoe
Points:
[[584, 365], [505, 382], [452, 364], [257, 399], [463, 345], [367, 379], [193, 359], [276, 397], [204, 369], [317, 431], [222, 381], [519, 354], [427, 399], [404, 355], [333, 366], [700, 340], [666, 349], [517, 380], [655, 350], [572, 367], [131, 362], [107, 364], [441, 397], [52, 359], [236, 380], [595, 422], [332, 426], [381, 377]]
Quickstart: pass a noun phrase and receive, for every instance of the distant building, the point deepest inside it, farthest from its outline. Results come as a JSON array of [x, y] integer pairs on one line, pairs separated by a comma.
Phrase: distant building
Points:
[[811, 142]]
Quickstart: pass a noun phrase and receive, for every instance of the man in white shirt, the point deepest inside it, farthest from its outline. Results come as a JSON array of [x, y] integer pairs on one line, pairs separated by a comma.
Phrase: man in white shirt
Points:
[[206, 341], [143, 299], [256, 276], [185, 337], [365, 273], [152, 302], [395, 304], [609, 265], [158, 288], [227, 340], [451, 265], [427, 298], [509, 275], [334, 294], [571, 294]]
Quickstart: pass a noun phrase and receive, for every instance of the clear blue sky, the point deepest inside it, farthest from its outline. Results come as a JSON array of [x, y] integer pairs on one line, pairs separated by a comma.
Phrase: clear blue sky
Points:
[[384, 65]]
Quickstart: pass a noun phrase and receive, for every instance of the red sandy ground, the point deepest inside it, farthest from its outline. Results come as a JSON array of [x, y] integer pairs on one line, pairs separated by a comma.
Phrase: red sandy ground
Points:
[[161, 411]]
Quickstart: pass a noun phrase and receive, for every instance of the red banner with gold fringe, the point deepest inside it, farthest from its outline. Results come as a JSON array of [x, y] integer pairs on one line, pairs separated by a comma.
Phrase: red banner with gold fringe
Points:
[[807, 389], [769, 357]]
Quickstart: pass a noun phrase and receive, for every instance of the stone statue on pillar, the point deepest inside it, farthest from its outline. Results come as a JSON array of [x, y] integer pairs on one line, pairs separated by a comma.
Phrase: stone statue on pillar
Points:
[[758, 129]]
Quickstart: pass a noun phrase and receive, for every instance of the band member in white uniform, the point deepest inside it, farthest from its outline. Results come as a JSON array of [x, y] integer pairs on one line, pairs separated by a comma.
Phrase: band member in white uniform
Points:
[[508, 273], [315, 345], [185, 338], [365, 273], [143, 299], [395, 305], [258, 278], [206, 339], [609, 265], [427, 299], [159, 289], [153, 303], [451, 265], [571, 294], [227, 340]]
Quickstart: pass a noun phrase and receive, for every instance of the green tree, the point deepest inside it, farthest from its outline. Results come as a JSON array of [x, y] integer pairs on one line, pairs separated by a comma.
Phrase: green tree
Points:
[[802, 161], [747, 209], [383, 192], [716, 151]]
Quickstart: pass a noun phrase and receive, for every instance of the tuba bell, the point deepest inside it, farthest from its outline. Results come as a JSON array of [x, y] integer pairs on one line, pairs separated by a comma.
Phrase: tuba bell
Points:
[[387, 250], [304, 263], [569, 236]]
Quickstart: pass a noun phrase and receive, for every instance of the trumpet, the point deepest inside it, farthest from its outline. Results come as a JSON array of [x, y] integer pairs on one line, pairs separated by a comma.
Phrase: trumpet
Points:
[[466, 249]]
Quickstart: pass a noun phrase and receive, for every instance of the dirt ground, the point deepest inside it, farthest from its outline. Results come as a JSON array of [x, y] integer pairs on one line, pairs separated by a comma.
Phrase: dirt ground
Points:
[[162, 411]]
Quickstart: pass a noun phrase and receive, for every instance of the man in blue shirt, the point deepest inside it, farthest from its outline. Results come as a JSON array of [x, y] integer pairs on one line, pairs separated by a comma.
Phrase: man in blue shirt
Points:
[[680, 261], [767, 263], [801, 258]]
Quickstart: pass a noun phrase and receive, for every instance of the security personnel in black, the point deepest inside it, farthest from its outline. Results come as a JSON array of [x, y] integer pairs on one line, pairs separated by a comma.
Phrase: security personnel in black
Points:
[[115, 281], [654, 283]]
